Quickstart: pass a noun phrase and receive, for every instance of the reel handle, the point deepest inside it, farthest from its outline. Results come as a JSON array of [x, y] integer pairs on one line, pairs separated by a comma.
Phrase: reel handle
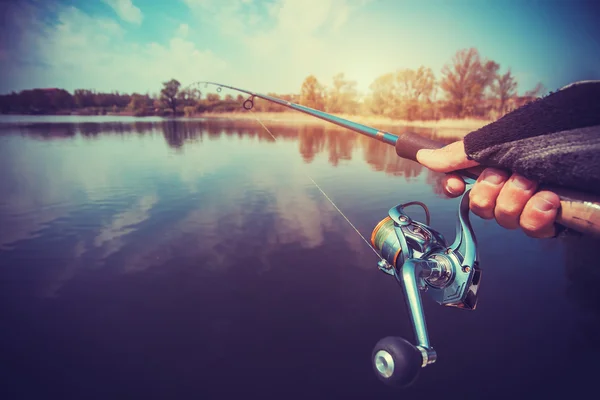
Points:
[[578, 211], [396, 361]]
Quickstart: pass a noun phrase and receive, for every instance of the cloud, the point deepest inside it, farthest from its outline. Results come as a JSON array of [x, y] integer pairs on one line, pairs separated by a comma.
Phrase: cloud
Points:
[[78, 50], [299, 34], [125, 222], [285, 21], [198, 3], [183, 30], [279, 43], [126, 10]]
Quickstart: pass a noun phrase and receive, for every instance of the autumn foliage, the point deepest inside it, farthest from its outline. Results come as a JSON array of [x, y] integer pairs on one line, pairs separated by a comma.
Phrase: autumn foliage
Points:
[[468, 86]]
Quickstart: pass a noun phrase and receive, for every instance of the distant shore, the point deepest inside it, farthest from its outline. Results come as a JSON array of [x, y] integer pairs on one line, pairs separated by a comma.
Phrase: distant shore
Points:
[[468, 124], [452, 127]]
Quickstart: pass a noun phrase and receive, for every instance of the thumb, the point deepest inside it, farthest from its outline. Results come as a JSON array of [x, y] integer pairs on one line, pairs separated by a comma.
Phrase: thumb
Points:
[[446, 159]]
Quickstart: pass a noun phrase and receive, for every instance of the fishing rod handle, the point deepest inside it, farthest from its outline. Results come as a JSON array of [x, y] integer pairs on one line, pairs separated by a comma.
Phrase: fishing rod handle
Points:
[[578, 211]]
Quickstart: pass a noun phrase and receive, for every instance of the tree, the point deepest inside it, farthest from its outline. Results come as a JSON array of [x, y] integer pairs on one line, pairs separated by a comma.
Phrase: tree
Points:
[[139, 103], [423, 84], [414, 91], [189, 97], [312, 93], [213, 98], [342, 96], [168, 94], [59, 99], [383, 98], [426, 87], [536, 91], [530, 95], [504, 88], [465, 79], [404, 94], [490, 72], [83, 98]]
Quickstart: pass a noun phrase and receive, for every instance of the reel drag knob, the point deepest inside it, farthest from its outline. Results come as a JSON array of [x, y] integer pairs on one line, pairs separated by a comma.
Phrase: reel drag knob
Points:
[[396, 361]]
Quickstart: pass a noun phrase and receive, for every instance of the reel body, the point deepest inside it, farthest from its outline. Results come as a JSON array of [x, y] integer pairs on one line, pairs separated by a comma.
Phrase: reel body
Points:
[[421, 260]]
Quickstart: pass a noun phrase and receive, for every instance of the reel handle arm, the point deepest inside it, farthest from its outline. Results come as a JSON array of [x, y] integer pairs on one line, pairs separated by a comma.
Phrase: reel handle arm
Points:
[[578, 211], [410, 278], [396, 361]]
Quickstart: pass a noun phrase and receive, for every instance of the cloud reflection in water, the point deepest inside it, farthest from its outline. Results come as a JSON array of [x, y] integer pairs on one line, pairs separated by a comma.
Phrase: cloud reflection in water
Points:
[[113, 194]]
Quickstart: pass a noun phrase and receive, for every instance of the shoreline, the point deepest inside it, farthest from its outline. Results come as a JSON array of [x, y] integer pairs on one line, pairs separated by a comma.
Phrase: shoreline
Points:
[[458, 127], [468, 124]]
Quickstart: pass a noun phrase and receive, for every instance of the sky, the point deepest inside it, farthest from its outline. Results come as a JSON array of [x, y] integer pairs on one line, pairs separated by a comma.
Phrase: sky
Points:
[[273, 45]]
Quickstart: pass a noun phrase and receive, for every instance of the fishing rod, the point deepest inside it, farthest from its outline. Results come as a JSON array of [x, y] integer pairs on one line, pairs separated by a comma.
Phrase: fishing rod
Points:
[[419, 257], [579, 211]]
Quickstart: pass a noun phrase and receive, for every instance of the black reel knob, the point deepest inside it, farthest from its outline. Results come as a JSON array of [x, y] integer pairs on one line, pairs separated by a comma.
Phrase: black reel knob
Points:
[[396, 361]]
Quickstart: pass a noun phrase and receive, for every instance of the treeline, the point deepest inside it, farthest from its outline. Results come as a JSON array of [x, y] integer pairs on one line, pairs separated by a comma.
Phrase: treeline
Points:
[[468, 86], [59, 101], [172, 100]]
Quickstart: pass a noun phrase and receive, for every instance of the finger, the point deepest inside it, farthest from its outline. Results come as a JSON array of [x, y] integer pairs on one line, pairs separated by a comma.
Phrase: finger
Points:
[[512, 199], [449, 158], [485, 191], [453, 185], [538, 216]]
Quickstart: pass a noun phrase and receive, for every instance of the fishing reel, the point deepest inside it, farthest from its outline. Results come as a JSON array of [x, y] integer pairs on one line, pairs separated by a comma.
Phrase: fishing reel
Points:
[[421, 261]]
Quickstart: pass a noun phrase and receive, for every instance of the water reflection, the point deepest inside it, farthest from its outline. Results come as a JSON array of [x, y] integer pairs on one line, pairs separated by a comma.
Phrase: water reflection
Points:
[[583, 274], [340, 144], [193, 243], [103, 201]]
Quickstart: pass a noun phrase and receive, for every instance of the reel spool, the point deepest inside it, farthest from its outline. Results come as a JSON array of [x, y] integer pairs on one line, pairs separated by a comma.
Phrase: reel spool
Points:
[[420, 260]]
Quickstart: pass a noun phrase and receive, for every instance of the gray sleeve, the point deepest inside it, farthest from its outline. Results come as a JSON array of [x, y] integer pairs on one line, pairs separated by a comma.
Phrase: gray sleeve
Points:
[[567, 158], [554, 140]]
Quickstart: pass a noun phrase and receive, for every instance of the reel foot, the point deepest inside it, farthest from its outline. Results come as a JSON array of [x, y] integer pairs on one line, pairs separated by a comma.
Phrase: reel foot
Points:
[[396, 361]]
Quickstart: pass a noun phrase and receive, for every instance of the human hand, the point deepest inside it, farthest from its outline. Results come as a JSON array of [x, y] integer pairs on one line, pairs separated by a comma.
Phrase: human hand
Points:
[[511, 200]]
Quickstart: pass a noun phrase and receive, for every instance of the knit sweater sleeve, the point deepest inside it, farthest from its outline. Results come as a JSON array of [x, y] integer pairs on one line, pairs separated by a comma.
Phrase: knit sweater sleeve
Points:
[[554, 140]]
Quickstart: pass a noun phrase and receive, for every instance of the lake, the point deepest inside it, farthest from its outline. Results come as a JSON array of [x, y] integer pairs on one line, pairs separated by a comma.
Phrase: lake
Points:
[[196, 259]]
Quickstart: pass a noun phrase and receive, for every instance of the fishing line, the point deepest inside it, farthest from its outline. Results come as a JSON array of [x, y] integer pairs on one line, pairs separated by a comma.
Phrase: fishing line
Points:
[[415, 254], [317, 186]]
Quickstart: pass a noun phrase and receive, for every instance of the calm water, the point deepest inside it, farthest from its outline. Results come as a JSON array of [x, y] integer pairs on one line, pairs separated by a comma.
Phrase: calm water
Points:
[[151, 258]]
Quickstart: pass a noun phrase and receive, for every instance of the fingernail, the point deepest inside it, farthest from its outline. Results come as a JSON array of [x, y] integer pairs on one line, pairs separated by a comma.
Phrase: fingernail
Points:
[[542, 204], [451, 190], [424, 153], [522, 182], [492, 177]]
